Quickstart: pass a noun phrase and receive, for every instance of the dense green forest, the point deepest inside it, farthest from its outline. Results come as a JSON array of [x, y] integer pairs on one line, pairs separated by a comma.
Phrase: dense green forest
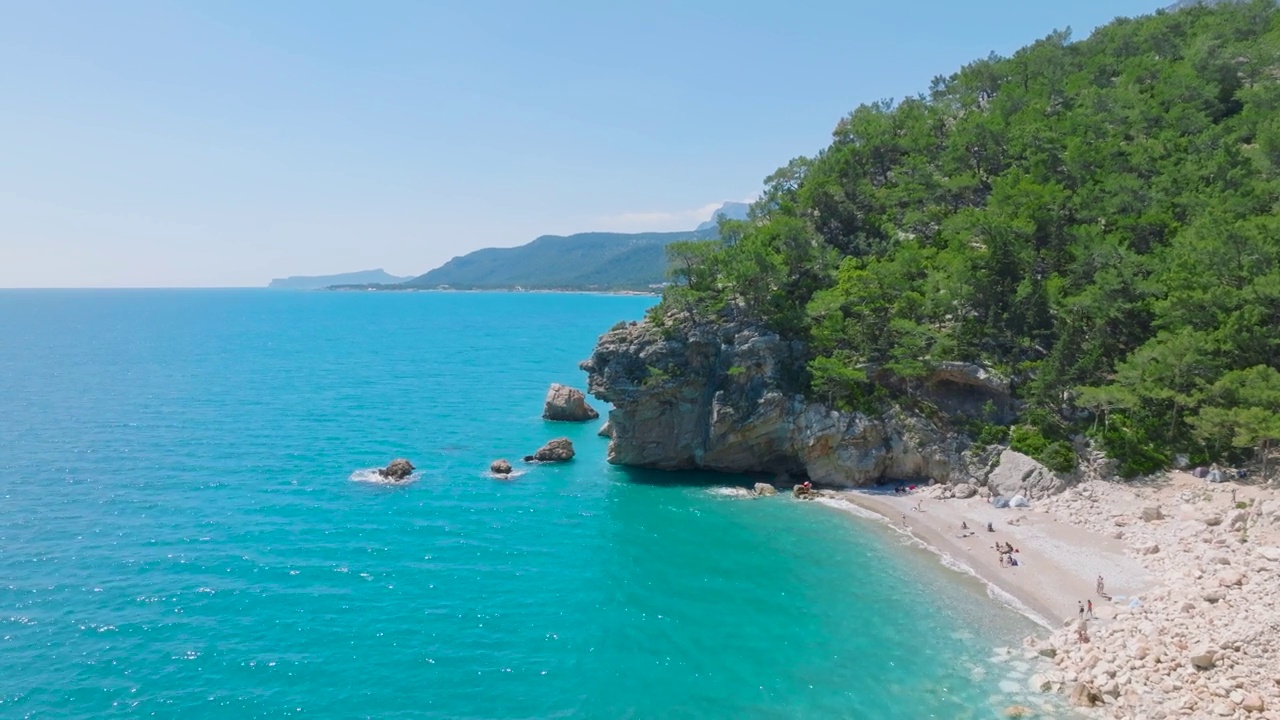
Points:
[[1095, 219]]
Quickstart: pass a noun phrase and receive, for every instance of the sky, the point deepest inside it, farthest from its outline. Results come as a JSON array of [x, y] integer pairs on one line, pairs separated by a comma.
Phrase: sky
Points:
[[222, 143]]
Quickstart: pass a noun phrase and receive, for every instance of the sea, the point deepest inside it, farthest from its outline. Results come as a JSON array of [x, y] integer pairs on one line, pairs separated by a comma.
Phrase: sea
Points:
[[189, 528]]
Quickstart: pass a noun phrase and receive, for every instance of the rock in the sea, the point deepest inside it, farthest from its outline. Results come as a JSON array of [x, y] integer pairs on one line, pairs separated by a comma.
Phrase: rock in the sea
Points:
[[567, 404], [802, 492], [964, 491], [398, 470], [558, 450], [605, 430], [500, 467], [764, 489]]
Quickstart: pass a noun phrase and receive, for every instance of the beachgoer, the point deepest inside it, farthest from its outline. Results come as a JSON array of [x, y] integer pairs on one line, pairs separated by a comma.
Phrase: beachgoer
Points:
[[1088, 611], [1081, 609], [964, 525], [1100, 585], [989, 528]]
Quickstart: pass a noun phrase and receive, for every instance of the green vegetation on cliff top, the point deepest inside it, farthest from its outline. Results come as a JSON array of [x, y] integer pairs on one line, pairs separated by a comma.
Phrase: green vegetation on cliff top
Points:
[[1095, 219]]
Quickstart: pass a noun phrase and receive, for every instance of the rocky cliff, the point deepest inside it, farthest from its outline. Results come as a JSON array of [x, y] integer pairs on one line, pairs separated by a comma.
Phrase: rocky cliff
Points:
[[726, 398]]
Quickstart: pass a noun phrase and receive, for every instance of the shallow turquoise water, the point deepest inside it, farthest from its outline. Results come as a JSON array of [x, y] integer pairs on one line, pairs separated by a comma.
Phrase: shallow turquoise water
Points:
[[180, 534]]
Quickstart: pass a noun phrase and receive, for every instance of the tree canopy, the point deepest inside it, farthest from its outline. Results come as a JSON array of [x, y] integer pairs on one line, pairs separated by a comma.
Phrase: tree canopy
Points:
[[1096, 219]]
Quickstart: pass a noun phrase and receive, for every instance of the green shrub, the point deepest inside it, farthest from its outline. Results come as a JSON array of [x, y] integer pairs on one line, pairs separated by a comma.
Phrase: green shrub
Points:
[[1028, 440], [1058, 457]]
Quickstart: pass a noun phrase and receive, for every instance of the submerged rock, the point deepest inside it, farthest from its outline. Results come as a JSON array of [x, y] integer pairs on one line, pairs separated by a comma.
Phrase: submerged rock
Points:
[[500, 467], [567, 404], [558, 450], [399, 469]]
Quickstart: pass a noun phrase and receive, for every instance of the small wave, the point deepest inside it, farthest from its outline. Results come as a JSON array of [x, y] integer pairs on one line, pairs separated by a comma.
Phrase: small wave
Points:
[[509, 476], [731, 492], [373, 477]]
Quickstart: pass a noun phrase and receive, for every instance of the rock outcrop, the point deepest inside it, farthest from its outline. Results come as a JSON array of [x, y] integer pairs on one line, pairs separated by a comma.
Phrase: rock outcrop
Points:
[[558, 450], [500, 467], [764, 489], [399, 469], [568, 405], [727, 398], [1018, 474]]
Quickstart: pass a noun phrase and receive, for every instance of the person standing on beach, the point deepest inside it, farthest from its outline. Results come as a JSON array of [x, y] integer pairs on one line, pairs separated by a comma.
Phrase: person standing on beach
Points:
[[1100, 586], [1088, 611], [1081, 609]]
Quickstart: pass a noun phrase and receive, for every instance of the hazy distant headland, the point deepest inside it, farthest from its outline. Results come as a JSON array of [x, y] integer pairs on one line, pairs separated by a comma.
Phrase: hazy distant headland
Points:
[[317, 282]]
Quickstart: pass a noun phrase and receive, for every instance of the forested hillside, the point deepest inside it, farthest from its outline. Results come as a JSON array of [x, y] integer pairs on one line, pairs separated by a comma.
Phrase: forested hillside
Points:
[[1095, 219], [586, 261]]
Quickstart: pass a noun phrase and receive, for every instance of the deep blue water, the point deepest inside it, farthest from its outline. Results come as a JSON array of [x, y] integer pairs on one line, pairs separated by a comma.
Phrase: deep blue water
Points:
[[180, 533]]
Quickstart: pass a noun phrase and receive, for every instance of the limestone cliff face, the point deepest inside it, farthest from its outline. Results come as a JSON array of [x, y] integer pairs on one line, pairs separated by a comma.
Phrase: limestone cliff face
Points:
[[726, 398]]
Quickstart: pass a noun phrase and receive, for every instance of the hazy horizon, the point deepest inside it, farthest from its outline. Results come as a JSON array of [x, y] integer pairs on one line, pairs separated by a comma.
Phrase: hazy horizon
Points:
[[225, 144]]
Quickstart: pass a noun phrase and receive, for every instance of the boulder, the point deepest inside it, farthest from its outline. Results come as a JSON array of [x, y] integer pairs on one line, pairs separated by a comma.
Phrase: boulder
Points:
[[1270, 553], [765, 489], [398, 470], [964, 491], [1202, 658], [558, 450], [500, 467], [567, 404], [605, 430], [1231, 578], [1018, 474], [802, 492], [1085, 695], [1151, 513], [1212, 520], [1151, 549], [1252, 702]]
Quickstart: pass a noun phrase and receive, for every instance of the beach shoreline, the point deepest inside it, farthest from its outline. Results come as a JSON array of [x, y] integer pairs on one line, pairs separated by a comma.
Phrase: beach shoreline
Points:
[[1058, 562], [1185, 627]]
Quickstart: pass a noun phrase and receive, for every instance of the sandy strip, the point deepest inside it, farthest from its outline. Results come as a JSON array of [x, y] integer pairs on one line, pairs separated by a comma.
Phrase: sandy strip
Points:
[[1058, 563]]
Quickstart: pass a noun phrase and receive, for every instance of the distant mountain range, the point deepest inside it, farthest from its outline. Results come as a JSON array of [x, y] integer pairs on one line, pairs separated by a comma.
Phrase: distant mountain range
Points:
[[586, 261], [317, 282]]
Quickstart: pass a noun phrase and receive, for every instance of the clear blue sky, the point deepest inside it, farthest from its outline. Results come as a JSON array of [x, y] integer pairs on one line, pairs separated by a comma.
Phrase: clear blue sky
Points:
[[222, 143]]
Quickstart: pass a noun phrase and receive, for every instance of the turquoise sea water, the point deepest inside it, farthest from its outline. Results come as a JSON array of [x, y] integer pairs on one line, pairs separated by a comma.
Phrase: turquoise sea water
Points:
[[181, 536]]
